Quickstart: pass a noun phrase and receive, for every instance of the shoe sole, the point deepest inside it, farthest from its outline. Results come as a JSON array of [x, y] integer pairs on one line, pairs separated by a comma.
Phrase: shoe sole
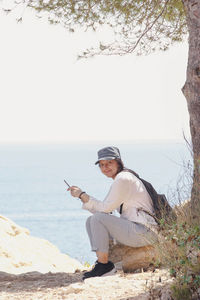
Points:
[[113, 271]]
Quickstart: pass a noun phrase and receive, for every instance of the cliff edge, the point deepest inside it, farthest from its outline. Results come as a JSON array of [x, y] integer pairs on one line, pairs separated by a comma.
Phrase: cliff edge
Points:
[[21, 253]]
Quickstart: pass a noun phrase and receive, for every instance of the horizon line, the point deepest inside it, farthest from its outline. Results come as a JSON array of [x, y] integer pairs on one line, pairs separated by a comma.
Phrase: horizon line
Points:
[[133, 141]]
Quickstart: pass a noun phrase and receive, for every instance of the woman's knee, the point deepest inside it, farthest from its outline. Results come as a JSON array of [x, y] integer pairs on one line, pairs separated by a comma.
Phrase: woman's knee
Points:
[[95, 217], [87, 223], [98, 216]]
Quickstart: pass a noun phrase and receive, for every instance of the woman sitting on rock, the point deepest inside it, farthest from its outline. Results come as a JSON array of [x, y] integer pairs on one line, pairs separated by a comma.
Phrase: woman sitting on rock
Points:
[[133, 226]]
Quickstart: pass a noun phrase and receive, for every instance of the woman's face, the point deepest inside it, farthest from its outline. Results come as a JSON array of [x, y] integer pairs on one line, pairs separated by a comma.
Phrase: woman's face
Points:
[[109, 167]]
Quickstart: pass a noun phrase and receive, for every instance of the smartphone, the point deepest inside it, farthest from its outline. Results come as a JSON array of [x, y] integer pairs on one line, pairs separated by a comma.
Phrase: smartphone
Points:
[[67, 183]]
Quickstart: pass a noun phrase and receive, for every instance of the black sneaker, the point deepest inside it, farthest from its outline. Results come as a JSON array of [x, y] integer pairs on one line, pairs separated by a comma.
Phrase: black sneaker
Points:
[[100, 270]]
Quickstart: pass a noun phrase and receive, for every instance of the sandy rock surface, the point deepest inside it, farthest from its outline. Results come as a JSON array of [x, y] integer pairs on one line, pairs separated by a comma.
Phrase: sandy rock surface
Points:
[[141, 286], [20, 252]]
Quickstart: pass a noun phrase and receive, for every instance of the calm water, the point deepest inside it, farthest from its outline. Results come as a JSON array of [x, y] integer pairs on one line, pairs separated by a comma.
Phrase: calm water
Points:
[[33, 194]]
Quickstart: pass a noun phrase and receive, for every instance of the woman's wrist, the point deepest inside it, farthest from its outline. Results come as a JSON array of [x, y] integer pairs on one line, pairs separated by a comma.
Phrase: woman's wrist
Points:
[[81, 194], [84, 197]]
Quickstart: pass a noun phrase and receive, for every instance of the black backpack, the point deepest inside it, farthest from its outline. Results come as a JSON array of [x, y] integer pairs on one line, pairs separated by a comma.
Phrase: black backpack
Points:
[[162, 209]]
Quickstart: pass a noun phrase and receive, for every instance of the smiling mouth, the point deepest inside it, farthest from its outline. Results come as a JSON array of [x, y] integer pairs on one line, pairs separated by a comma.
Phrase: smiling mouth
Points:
[[107, 172]]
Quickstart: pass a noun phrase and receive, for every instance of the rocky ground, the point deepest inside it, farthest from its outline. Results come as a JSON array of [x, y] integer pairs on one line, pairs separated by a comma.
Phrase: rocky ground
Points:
[[34, 285], [34, 269]]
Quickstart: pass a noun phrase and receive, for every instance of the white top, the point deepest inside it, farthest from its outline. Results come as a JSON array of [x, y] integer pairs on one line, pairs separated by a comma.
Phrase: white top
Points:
[[130, 191]]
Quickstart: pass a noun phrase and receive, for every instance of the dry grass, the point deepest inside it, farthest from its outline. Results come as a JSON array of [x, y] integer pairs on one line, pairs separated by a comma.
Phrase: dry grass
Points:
[[179, 243]]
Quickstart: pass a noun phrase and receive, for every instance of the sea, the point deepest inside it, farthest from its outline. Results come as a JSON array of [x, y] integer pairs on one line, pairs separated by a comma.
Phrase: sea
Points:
[[33, 193]]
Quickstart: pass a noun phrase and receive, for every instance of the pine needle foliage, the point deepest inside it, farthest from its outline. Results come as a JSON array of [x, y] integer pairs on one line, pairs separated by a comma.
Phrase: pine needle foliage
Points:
[[142, 26]]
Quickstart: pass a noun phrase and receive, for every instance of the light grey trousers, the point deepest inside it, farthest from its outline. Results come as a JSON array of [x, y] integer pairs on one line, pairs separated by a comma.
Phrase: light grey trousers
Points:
[[102, 226]]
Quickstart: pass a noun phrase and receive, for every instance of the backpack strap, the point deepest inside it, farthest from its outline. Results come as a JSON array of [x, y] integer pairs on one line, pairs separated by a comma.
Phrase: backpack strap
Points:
[[143, 181], [147, 212], [121, 207]]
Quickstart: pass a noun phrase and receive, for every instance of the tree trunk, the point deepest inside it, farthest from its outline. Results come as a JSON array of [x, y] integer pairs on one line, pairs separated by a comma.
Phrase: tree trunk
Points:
[[191, 91]]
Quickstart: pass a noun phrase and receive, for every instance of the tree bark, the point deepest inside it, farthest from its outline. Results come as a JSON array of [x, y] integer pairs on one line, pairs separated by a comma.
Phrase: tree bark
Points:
[[191, 91]]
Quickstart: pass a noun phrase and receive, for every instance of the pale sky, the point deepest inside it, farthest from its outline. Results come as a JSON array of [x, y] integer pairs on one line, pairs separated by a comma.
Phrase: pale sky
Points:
[[46, 95]]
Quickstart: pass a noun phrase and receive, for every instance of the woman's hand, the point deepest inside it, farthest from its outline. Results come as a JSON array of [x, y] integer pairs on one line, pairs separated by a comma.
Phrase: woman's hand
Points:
[[78, 193], [75, 191]]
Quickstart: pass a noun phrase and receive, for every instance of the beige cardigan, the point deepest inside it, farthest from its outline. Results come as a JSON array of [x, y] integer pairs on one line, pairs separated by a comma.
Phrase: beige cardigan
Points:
[[129, 190]]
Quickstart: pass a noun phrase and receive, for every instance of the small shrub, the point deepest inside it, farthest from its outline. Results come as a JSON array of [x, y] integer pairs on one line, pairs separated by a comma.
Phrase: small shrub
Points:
[[179, 250], [179, 243], [86, 265]]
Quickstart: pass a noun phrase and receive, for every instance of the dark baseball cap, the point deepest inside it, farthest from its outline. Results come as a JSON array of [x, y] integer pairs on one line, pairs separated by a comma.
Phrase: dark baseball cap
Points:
[[108, 153]]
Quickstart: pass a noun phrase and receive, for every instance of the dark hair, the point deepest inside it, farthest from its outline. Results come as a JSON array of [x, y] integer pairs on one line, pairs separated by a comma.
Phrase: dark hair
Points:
[[120, 165]]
